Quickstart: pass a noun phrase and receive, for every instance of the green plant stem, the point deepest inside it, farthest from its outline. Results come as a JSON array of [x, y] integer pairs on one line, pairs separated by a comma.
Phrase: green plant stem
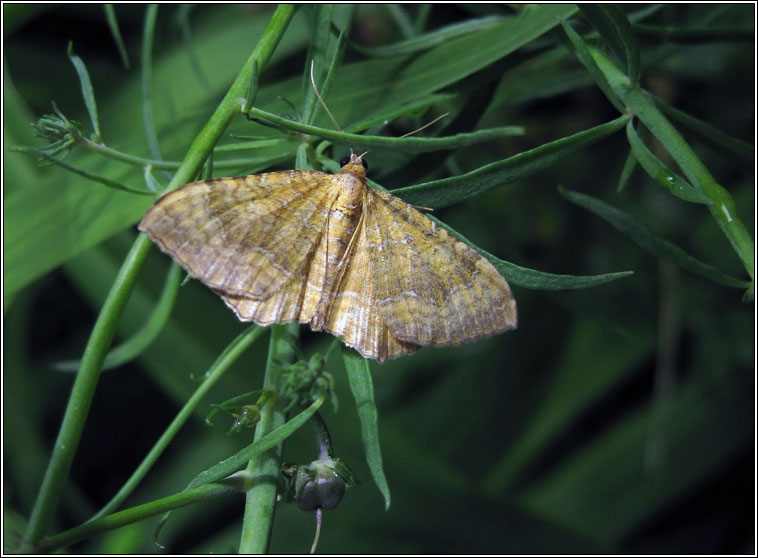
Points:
[[103, 331], [723, 209], [264, 468], [232, 101], [83, 391], [103, 149], [137, 513]]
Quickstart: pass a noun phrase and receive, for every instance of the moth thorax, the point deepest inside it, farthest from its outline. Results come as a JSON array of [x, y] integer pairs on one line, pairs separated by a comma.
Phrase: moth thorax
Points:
[[354, 168], [350, 196]]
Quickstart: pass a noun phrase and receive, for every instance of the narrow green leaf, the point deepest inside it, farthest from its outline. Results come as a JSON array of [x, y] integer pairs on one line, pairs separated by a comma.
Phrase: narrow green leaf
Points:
[[644, 238], [366, 84], [146, 75], [626, 172], [615, 28], [664, 176], [182, 20], [533, 279], [321, 38], [429, 40], [110, 16], [359, 377], [81, 172], [441, 193], [251, 144], [87, 92], [403, 22], [331, 73], [152, 183], [582, 53], [409, 145], [241, 458], [723, 208], [421, 18], [540, 280], [709, 135]]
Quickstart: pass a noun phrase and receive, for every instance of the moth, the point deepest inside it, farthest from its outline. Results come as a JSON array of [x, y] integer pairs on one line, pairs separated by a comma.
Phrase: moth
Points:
[[330, 251]]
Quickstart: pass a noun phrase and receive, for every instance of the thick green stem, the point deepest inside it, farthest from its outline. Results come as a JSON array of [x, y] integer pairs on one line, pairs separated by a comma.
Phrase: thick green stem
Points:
[[264, 468], [83, 391], [102, 333]]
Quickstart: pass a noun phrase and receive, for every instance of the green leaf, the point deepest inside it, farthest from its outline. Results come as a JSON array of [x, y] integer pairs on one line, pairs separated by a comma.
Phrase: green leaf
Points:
[[87, 92], [626, 172], [241, 458], [365, 85], [615, 28], [146, 75], [723, 208], [581, 51], [441, 193], [709, 135], [135, 514], [321, 40], [533, 279], [81, 172], [430, 39], [110, 16], [339, 50], [359, 377], [664, 176], [410, 109], [644, 238]]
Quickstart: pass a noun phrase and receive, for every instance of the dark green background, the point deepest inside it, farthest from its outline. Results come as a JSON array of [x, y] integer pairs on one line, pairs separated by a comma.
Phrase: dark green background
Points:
[[615, 419]]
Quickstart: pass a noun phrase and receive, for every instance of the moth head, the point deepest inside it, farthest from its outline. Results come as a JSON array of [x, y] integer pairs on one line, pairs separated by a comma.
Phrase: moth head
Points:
[[354, 164]]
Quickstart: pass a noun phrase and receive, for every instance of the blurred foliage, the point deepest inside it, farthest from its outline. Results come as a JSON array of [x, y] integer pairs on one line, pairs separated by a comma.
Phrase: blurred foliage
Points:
[[615, 419]]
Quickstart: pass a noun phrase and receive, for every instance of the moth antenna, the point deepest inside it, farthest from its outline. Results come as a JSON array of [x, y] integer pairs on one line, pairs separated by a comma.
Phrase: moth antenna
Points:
[[323, 104], [425, 125]]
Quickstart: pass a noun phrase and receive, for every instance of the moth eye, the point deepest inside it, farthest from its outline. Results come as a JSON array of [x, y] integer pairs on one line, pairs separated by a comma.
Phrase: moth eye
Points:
[[345, 160], [365, 164]]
